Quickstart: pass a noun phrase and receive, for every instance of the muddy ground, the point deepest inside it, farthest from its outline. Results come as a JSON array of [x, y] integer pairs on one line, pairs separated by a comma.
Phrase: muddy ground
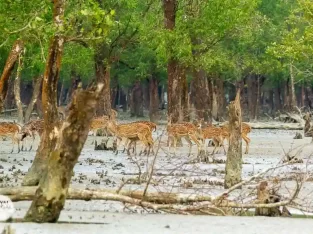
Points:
[[103, 169]]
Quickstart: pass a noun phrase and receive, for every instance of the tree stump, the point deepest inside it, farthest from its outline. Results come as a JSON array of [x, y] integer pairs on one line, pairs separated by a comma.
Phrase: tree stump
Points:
[[264, 196], [234, 155], [308, 130], [103, 145]]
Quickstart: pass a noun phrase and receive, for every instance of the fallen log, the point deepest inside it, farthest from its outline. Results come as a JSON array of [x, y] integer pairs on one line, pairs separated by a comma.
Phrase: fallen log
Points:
[[277, 125], [156, 201], [27, 193]]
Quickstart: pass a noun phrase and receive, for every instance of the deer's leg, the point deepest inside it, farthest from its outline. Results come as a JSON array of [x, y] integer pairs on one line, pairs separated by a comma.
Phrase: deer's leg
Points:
[[175, 144], [168, 143], [118, 142], [128, 141], [247, 140], [194, 138], [31, 146], [190, 144], [222, 144], [13, 143]]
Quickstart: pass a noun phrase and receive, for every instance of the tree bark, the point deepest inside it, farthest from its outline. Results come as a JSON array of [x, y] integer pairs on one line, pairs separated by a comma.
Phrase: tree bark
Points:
[[17, 90], [220, 98], [146, 94], [292, 95], [137, 100], [201, 95], [271, 100], [154, 100], [36, 91], [102, 67], [277, 100], [185, 111], [264, 197], [9, 99], [252, 96], [210, 99], [173, 68], [53, 188], [234, 155], [16, 50], [49, 99]]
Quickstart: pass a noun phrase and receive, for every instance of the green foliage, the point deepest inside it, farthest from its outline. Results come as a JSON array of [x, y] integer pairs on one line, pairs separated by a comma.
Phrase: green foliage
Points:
[[228, 38]]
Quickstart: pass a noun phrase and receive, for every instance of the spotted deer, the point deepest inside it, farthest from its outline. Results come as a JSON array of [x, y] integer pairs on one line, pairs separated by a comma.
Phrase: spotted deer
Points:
[[245, 130], [30, 129], [216, 134], [130, 142], [133, 132], [185, 130], [11, 130], [101, 123]]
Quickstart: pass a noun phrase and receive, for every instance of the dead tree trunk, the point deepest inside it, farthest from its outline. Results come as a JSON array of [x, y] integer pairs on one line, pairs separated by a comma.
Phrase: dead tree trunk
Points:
[[17, 90], [16, 50], [173, 68], [33, 100], [234, 154], [52, 191], [201, 95], [49, 100], [154, 100], [264, 197]]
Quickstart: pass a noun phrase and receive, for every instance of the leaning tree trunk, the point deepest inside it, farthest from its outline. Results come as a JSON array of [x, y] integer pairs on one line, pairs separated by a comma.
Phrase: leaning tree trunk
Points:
[[234, 154], [16, 50], [154, 100], [33, 100], [49, 100], [173, 68], [52, 191], [17, 91]]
